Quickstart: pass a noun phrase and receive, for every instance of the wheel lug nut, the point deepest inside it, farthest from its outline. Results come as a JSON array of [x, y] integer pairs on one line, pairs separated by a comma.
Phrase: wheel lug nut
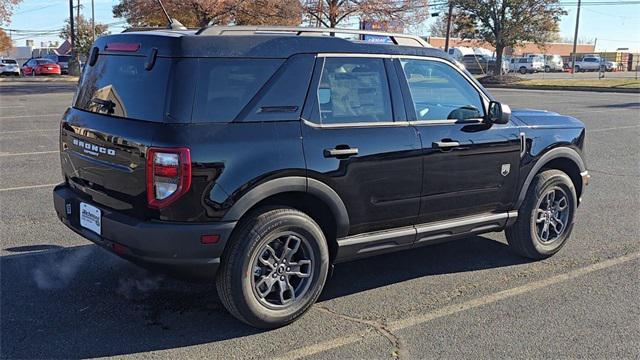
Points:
[[275, 275], [282, 278], [288, 269]]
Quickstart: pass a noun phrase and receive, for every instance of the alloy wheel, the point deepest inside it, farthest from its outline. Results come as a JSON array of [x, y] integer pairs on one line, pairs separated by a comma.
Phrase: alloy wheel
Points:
[[552, 215], [282, 270]]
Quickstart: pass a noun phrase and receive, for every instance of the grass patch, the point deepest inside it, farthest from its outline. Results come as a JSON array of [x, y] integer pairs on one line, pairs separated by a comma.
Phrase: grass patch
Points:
[[601, 83]]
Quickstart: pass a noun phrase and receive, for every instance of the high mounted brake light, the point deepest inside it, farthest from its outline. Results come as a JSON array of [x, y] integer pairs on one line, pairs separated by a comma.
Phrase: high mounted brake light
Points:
[[168, 175], [129, 47]]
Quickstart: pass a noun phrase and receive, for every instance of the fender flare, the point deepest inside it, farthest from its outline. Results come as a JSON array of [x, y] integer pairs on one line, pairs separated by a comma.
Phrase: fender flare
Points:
[[293, 184], [561, 152]]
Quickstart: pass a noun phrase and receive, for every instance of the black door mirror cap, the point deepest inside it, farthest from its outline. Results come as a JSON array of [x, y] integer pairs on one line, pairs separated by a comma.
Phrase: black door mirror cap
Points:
[[498, 113]]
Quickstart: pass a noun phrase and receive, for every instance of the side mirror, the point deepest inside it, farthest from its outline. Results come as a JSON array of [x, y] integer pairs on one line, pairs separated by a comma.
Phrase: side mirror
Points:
[[498, 113]]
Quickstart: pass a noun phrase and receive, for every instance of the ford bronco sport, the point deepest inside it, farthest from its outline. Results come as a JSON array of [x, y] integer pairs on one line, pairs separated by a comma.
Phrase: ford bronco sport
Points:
[[263, 156]]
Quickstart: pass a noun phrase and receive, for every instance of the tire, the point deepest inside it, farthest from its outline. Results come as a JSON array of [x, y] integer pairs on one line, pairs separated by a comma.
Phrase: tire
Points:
[[523, 70], [250, 290], [526, 235], [577, 68], [547, 68]]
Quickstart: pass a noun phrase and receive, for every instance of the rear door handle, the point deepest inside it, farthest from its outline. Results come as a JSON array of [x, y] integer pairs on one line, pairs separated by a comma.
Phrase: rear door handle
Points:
[[340, 153], [445, 144]]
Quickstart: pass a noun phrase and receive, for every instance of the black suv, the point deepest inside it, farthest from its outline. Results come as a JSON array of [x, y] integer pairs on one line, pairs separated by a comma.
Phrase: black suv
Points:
[[264, 157]]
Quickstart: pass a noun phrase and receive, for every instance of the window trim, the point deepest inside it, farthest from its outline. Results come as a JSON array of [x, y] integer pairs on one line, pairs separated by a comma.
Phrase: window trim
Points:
[[312, 97]]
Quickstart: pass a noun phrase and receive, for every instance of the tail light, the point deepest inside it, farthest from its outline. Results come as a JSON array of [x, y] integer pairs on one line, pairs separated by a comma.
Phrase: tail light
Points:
[[168, 175]]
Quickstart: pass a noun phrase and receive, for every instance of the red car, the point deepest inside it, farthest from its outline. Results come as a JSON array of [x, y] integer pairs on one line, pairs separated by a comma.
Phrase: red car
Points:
[[40, 67]]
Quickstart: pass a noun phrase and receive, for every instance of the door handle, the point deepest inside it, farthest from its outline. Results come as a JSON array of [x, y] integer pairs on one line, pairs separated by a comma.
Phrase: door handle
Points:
[[340, 153], [445, 144]]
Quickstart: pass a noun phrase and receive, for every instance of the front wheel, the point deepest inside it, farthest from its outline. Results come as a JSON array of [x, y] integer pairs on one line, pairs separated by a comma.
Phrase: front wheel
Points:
[[545, 219], [274, 268], [523, 70]]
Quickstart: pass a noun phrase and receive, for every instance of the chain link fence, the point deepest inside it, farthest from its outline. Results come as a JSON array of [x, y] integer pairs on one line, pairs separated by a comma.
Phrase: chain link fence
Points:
[[598, 65]]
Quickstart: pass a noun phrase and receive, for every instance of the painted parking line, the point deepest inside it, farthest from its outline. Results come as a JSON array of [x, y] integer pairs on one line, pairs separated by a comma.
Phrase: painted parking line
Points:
[[27, 116], [26, 131], [613, 128], [12, 107], [29, 153], [457, 308], [27, 187]]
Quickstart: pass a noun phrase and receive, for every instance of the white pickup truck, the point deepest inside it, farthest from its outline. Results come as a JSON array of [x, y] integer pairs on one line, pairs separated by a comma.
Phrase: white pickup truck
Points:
[[589, 63]]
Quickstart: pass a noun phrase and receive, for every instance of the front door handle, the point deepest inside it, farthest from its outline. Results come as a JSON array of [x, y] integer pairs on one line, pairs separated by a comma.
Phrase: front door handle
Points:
[[340, 153], [445, 144]]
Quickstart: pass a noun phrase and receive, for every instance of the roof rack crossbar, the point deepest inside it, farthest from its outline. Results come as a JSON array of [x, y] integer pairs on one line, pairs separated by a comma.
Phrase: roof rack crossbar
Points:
[[398, 39]]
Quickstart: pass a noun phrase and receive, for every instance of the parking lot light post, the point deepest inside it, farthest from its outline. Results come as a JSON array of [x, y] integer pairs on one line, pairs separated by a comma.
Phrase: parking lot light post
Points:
[[575, 42]]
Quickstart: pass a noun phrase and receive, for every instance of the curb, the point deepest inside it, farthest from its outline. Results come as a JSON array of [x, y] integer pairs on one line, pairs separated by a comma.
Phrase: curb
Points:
[[564, 88], [64, 79]]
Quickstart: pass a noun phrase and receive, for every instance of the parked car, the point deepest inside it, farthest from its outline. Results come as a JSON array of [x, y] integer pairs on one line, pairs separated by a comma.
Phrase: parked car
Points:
[[62, 60], [9, 67], [589, 63], [40, 66], [525, 65], [482, 64], [266, 159], [551, 62]]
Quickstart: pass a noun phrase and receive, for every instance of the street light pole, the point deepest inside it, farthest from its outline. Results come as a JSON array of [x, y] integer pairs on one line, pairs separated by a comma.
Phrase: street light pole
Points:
[[575, 42], [93, 22], [446, 41]]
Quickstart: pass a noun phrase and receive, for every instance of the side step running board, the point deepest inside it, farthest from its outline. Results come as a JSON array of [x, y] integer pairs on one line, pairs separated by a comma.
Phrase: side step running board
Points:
[[373, 243]]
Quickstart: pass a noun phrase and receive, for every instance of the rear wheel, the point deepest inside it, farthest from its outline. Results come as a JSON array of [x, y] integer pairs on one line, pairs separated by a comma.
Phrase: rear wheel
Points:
[[274, 268], [547, 68], [546, 216], [523, 70]]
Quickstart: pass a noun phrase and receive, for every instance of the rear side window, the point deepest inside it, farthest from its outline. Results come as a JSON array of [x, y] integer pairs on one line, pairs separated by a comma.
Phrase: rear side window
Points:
[[7, 61], [354, 90], [225, 86]]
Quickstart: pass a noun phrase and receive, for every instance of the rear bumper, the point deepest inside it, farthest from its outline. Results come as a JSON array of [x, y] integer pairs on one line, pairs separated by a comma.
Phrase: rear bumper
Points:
[[162, 245]]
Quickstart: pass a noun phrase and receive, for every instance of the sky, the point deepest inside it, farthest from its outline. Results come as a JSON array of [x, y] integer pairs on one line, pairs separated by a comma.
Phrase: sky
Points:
[[614, 26]]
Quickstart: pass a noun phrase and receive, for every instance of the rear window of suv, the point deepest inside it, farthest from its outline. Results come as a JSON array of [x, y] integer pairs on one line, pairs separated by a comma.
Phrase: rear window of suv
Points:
[[175, 90]]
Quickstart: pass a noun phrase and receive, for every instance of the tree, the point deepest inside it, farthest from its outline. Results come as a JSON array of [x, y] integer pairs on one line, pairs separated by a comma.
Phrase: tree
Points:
[[6, 10], [330, 13], [506, 23], [5, 42], [460, 26], [199, 13], [269, 12], [84, 33]]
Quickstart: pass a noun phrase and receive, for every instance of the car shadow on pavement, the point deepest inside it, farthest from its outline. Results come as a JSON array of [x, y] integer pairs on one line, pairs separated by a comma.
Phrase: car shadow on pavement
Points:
[[36, 88], [629, 105], [85, 302]]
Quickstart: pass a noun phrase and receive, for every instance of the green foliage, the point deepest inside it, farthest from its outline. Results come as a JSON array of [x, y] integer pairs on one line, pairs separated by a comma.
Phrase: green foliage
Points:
[[506, 23]]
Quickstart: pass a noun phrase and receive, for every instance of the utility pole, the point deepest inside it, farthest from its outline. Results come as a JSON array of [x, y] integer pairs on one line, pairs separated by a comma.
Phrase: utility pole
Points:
[[73, 61], [446, 41], [575, 42], [93, 22]]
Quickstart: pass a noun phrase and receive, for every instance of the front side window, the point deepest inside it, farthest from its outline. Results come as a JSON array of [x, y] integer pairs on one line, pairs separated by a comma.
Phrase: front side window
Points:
[[354, 90], [439, 92]]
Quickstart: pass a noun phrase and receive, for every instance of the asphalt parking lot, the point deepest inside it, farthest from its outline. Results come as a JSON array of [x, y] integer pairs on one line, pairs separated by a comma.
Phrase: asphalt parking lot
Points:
[[62, 297]]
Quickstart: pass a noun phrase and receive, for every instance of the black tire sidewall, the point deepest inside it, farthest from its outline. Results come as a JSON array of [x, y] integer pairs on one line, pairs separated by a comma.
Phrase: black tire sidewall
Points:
[[252, 310], [556, 180]]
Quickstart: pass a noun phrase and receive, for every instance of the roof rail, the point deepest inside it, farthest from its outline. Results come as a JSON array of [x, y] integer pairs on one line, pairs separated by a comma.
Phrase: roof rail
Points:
[[398, 39]]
